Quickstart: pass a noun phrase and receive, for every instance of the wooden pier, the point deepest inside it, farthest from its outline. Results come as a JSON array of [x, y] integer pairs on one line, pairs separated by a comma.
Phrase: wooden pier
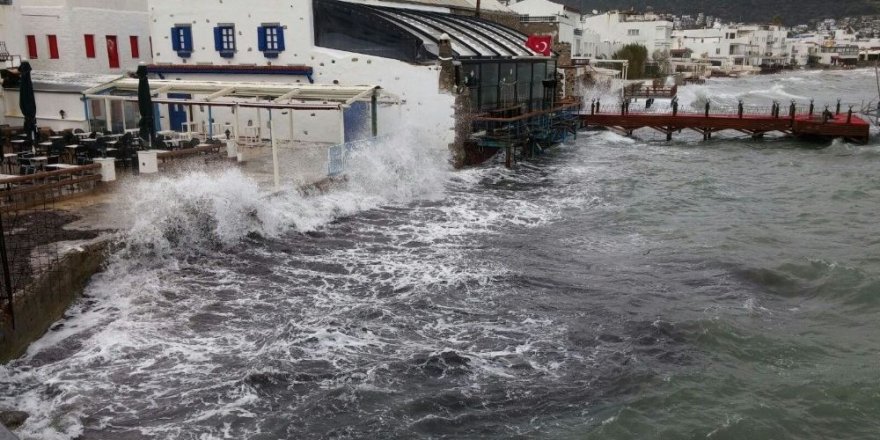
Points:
[[842, 125], [646, 91]]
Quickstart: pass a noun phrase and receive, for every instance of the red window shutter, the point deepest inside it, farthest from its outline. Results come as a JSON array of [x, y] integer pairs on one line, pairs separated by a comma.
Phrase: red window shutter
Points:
[[135, 49], [90, 46], [112, 51], [32, 46], [53, 46]]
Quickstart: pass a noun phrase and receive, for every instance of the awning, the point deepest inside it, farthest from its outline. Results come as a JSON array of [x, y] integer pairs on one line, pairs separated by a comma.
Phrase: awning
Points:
[[245, 94], [58, 82]]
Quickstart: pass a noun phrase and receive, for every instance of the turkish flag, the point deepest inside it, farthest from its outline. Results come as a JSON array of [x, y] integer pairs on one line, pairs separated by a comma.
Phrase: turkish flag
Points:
[[540, 44]]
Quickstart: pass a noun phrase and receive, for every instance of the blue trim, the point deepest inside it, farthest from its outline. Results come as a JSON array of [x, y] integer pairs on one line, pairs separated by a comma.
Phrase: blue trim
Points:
[[162, 70], [263, 44], [183, 48], [224, 50]]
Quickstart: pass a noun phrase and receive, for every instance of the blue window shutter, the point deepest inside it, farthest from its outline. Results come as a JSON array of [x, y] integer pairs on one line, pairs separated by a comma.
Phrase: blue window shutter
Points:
[[218, 38], [188, 38], [280, 38], [175, 39], [261, 39]]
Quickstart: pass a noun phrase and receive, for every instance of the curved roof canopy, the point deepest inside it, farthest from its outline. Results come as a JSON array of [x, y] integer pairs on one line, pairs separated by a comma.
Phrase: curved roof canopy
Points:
[[413, 35]]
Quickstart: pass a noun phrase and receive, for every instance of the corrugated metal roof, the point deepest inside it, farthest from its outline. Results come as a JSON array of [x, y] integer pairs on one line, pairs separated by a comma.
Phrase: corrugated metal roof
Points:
[[471, 37], [461, 4]]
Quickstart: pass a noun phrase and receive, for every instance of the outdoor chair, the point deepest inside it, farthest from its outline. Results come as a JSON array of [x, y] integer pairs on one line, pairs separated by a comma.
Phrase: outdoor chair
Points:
[[26, 166]]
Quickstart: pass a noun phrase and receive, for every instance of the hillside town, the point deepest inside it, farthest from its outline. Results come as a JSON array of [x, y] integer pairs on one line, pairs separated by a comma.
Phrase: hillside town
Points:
[[487, 54], [432, 219]]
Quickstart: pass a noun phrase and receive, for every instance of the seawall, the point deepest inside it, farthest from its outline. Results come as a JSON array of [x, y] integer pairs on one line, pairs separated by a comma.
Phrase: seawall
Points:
[[44, 301]]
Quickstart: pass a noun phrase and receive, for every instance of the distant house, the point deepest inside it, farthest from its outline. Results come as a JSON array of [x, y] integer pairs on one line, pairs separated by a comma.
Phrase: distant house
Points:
[[623, 28]]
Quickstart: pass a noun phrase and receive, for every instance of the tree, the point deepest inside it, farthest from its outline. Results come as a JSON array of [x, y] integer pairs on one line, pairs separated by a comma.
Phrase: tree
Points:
[[637, 55], [662, 58]]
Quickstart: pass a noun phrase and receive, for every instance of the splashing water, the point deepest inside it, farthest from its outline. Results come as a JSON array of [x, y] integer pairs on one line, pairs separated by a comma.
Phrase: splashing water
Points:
[[613, 288]]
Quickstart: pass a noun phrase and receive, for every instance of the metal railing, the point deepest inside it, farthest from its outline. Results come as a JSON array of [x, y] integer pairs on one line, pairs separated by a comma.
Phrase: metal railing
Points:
[[22, 192], [715, 110]]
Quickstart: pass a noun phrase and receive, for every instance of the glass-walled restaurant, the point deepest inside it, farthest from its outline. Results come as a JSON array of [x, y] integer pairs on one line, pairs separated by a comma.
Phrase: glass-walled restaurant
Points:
[[496, 65], [504, 85]]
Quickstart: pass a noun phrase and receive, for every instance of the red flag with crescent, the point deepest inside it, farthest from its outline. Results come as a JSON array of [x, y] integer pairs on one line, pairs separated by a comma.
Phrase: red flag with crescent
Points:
[[540, 43]]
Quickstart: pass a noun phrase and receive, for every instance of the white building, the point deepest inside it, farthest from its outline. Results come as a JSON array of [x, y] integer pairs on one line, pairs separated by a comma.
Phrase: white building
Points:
[[561, 21], [84, 36], [831, 48], [623, 28], [11, 35], [736, 48], [391, 44]]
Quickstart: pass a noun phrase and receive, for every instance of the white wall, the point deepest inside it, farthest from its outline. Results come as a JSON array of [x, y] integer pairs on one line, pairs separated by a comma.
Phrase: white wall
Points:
[[654, 34], [567, 20], [537, 8], [71, 20], [11, 29], [48, 105], [416, 85]]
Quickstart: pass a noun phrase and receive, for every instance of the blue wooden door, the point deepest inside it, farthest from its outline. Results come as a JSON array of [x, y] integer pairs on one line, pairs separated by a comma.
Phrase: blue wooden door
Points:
[[357, 121], [177, 112]]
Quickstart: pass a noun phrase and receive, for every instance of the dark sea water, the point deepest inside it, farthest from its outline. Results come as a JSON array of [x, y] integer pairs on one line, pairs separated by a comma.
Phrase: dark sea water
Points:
[[613, 288]]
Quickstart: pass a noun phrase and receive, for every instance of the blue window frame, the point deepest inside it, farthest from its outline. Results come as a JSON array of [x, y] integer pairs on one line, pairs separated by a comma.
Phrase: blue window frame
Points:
[[224, 40], [270, 39], [181, 40]]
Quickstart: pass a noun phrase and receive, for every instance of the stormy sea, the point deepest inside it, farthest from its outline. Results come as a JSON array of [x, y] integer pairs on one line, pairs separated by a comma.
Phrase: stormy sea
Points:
[[612, 288]]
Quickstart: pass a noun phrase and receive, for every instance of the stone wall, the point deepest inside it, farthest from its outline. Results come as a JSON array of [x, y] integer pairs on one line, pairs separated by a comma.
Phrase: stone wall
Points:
[[45, 300]]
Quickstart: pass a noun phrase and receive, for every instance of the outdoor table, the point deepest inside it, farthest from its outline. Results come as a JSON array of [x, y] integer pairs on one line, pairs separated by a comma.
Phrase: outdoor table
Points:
[[7, 159], [60, 166], [71, 151]]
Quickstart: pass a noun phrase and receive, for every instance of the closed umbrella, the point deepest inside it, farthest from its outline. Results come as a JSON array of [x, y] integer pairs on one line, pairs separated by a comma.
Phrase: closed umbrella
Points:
[[145, 106], [27, 103]]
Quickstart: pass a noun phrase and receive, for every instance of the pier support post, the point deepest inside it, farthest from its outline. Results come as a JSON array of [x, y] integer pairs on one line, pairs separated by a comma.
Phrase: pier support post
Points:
[[668, 134]]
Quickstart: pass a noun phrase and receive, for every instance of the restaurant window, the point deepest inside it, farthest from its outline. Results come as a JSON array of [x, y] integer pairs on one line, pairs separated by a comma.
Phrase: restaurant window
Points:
[[52, 41], [181, 40], [90, 45], [471, 80], [32, 46], [524, 84], [270, 40], [539, 73], [224, 40], [489, 86], [507, 85], [135, 47]]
